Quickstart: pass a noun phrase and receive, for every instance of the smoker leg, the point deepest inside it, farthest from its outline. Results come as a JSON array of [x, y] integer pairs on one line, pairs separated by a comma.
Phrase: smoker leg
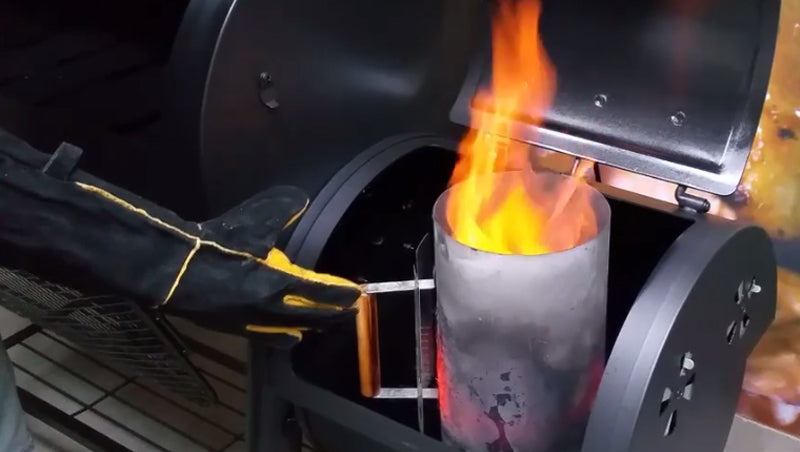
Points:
[[269, 418], [277, 384]]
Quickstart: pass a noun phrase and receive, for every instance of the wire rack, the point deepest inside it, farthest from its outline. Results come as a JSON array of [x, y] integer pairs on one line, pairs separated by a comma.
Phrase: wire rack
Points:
[[115, 329]]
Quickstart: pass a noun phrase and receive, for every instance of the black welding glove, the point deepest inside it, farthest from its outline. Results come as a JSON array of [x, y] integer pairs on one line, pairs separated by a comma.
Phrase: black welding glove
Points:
[[223, 273]]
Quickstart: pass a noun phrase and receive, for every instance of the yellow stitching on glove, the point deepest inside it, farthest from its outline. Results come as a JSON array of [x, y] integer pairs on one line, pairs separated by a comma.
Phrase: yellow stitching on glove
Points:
[[296, 216], [302, 302], [178, 231], [185, 265], [291, 331], [275, 259]]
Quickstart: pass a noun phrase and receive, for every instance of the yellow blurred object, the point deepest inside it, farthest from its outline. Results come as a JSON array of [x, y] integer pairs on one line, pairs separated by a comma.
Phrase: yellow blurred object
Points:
[[773, 369], [771, 182], [788, 309], [772, 177]]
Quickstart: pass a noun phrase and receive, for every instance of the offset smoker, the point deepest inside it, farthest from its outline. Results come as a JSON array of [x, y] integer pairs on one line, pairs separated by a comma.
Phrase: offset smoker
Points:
[[330, 100]]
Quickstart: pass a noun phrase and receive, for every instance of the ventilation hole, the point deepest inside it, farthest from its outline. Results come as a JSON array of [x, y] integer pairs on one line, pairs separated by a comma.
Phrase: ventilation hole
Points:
[[744, 324], [665, 401], [739, 295], [673, 419], [689, 388], [687, 363], [731, 331]]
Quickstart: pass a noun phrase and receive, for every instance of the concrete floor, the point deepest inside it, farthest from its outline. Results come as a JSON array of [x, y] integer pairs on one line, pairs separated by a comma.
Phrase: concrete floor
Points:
[[138, 414], [144, 417]]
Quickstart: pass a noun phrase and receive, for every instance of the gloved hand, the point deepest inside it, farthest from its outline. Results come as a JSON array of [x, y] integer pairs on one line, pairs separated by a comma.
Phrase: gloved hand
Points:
[[224, 273]]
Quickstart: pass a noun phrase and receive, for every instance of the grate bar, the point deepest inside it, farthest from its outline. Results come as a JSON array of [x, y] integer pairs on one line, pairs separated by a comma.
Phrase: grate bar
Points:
[[87, 407], [114, 328], [66, 424], [135, 382], [105, 396], [20, 336]]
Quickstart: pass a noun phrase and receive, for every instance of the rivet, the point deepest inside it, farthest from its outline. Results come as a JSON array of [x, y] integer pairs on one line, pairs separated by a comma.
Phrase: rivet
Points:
[[600, 100], [678, 118]]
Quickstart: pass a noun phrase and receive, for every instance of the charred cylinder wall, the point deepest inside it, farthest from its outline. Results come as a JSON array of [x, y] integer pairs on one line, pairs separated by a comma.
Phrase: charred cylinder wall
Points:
[[521, 340]]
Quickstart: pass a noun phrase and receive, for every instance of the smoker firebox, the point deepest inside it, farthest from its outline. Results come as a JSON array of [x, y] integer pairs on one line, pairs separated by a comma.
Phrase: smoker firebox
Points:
[[686, 274], [682, 285], [330, 97]]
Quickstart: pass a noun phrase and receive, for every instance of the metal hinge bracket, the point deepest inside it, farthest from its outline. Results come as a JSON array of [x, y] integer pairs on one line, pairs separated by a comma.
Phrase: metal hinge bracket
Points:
[[691, 202]]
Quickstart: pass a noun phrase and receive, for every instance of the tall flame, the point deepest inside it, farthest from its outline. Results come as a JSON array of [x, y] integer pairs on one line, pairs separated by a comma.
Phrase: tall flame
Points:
[[523, 214]]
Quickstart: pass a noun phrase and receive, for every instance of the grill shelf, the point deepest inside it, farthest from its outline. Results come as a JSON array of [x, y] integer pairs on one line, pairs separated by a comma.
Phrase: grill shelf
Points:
[[114, 328]]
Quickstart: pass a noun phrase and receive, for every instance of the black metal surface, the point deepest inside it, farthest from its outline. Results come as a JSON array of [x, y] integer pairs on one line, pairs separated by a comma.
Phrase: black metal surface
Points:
[[697, 269], [363, 233], [268, 410], [186, 76], [324, 214], [691, 202], [345, 75], [661, 88], [76, 430], [90, 72], [370, 220], [271, 372], [695, 305]]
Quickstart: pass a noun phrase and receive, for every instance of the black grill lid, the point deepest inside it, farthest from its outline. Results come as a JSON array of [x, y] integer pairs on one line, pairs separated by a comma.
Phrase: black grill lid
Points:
[[672, 89]]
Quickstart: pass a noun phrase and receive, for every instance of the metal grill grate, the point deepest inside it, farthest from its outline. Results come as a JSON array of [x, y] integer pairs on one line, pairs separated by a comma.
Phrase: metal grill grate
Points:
[[116, 329]]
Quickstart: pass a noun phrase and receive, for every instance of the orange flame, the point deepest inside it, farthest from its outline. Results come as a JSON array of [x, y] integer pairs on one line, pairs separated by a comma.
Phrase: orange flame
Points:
[[523, 214]]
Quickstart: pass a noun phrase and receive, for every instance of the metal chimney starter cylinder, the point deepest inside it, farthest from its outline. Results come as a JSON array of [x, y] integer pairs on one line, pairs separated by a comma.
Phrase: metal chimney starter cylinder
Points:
[[521, 339]]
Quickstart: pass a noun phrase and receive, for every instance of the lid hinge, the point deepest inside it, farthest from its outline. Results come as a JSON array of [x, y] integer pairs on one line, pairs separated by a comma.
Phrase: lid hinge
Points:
[[691, 202]]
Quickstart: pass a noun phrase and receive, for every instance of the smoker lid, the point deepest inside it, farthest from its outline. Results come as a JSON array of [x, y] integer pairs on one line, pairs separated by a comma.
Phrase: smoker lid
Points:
[[672, 89]]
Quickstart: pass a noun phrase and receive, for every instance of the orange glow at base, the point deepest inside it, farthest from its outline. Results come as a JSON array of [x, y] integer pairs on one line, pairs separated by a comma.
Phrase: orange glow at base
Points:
[[524, 214]]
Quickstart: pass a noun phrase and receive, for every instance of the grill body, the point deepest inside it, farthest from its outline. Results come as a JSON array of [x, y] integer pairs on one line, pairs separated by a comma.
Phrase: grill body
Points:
[[353, 99], [653, 300], [378, 101]]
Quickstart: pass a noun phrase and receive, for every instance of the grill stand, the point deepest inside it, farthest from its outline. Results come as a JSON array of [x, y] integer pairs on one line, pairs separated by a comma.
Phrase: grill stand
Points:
[[275, 390]]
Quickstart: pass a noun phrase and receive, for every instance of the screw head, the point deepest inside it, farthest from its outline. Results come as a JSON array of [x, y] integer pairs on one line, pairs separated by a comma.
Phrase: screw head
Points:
[[678, 118], [264, 79], [600, 100]]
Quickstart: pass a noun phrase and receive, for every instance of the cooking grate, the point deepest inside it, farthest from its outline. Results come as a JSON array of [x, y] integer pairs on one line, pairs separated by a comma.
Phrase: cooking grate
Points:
[[114, 328]]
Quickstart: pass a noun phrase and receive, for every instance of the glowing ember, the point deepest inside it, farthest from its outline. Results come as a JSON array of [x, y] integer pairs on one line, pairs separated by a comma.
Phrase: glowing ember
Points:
[[526, 216]]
